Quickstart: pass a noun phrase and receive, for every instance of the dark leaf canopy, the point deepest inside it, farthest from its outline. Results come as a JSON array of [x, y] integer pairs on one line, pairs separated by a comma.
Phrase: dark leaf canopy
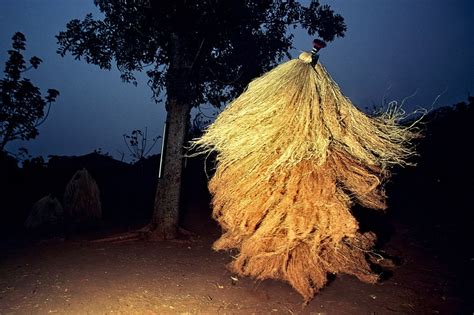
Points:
[[35, 62], [202, 51], [22, 107]]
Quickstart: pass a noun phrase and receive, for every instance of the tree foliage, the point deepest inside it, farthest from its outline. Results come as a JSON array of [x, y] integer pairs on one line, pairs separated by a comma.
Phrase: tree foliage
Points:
[[22, 107], [218, 46]]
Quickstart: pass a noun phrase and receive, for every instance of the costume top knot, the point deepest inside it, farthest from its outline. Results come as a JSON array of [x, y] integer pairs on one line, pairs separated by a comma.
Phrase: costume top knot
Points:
[[313, 57], [306, 57]]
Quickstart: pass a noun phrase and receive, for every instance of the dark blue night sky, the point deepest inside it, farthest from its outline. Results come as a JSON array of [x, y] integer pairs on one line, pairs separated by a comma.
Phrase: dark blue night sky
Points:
[[407, 45]]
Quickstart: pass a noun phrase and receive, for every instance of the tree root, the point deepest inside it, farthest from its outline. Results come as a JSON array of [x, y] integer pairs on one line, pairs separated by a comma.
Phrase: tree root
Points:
[[148, 233]]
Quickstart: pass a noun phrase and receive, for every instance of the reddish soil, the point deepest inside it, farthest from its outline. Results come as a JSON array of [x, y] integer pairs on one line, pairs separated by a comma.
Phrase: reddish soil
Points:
[[187, 277]]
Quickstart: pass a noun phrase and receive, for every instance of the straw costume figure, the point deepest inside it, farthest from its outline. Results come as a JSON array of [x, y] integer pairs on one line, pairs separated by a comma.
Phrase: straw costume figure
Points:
[[293, 155]]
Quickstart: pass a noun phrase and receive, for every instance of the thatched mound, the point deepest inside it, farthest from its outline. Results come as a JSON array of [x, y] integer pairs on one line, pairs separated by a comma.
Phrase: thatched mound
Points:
[[82, 199], [46, 213], [293, 155]]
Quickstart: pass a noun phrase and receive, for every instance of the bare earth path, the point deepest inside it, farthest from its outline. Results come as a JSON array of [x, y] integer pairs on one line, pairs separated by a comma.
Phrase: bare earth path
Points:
[[81, 277]]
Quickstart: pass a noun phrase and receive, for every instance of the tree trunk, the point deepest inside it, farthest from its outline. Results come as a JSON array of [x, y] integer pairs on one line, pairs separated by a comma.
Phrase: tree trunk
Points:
[[164, 223], [6, 138]]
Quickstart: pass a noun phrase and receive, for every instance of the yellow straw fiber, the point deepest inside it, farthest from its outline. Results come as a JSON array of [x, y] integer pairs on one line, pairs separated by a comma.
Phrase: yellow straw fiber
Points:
[[293, 155]]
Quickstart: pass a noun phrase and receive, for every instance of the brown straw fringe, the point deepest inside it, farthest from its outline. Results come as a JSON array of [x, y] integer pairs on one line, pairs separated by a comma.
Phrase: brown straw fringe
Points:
[[293, 155]]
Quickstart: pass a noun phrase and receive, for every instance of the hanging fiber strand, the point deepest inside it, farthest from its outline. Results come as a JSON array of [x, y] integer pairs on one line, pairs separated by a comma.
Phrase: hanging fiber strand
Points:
[[293, 155]]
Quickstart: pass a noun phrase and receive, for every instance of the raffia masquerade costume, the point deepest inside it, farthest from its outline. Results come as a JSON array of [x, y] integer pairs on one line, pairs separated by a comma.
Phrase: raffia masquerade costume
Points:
[[293, 155]]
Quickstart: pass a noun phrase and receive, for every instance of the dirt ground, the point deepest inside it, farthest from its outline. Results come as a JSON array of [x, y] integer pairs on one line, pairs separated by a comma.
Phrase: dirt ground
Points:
[[187, 277]]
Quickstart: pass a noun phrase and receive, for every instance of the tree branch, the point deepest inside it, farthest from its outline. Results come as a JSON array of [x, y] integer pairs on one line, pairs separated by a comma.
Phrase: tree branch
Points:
[[45, 116]]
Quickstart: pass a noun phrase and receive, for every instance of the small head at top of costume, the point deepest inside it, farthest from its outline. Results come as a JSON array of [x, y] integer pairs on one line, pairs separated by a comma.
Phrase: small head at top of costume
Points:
[[313, 57]]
